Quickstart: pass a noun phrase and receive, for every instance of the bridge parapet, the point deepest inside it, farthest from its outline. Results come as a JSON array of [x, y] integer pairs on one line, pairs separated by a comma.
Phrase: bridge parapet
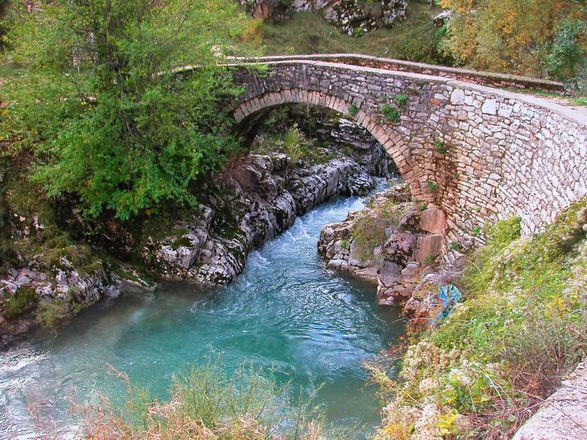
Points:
[[490, 79]]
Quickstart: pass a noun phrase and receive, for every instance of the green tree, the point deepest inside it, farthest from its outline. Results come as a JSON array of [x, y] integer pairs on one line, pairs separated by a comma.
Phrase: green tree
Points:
[[566, 59], [100, 107]]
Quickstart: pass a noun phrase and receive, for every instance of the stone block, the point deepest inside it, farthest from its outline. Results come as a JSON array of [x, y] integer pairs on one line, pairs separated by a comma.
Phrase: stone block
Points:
[[489, 107], [457, 97], [433, 220], [429, 246]]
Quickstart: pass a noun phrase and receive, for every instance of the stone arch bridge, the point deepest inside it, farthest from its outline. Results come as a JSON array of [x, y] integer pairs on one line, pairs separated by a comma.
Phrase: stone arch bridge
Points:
[[477, 152]]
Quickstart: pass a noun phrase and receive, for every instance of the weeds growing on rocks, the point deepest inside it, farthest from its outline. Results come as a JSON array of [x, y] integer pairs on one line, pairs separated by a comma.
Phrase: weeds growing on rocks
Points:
[[522, 328]]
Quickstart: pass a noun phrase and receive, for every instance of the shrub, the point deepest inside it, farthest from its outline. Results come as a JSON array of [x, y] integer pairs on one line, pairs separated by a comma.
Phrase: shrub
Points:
[[49, 313], [501, 35], [353, 109], [206, 402], [17, 304], [390, 113], [566, 58], [401, 100]]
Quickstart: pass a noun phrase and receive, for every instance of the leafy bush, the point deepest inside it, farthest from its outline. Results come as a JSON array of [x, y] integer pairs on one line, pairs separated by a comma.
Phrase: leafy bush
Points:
[[353, 109], [401, 100], [514, 36], [98, 104], [566, 59]]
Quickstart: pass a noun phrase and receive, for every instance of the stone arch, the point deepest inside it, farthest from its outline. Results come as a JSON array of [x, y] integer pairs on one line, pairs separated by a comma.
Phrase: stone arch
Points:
[[477, 153], [392, 141]]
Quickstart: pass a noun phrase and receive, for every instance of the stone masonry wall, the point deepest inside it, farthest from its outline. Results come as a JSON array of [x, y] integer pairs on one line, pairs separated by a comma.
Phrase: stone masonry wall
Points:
[[478, 153]]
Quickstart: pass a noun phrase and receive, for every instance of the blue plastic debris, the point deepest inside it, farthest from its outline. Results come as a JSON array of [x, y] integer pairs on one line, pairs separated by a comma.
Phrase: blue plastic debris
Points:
[[449, 295]]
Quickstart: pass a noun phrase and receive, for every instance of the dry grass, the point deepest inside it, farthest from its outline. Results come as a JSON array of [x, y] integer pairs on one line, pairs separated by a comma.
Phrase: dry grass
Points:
[[206, 403]]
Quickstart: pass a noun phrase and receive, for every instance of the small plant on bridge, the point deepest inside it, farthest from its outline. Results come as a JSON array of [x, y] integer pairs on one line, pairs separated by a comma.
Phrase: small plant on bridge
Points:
[[390, 113], [401, 100], [353, 109], [432, 186], [440, 147]]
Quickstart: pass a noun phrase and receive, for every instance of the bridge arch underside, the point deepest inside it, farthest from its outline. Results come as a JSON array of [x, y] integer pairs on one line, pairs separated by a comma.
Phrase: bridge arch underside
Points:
[[477, 153], [251, 110]]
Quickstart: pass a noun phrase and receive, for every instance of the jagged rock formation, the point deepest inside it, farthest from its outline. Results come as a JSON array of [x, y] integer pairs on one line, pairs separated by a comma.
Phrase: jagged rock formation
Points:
[[262, 197], [357, 18], [60, 290]]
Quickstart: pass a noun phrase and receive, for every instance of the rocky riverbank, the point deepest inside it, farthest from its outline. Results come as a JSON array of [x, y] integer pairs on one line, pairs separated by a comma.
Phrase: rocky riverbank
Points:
[[262, 197], [51, 276], [395, 244]]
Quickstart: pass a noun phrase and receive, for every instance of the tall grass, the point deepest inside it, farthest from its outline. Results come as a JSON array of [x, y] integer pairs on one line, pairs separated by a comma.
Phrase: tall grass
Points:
[[206, 403]]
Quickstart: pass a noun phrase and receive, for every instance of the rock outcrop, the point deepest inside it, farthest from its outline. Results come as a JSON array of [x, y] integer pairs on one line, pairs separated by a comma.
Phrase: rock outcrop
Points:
[[251, 204], [357, 18], [55, 292], [396, 245], [353, 17]]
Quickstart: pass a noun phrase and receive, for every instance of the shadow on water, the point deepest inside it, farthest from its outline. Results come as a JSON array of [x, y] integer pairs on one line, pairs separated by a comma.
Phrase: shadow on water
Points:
[[285, 313]]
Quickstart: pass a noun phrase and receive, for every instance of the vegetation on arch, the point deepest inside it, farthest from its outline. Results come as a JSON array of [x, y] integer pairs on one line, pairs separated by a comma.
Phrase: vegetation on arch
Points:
[[96, 102]]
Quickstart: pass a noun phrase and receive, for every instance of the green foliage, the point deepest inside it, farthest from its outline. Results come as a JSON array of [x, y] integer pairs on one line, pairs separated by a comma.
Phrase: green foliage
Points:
[[456, 246], [353, 109], [429, 260], [531, 37], [520, 330], [295, 145], [50, 313], [15, 305], [4, 4], [440, 147], [566, 58], [432, 186], [293, 141], [99, 106], [390, 113], [401, 100], [369, 229]]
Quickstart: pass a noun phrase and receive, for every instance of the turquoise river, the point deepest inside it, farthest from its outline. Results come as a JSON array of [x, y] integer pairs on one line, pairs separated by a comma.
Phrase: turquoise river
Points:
[[313, 328]]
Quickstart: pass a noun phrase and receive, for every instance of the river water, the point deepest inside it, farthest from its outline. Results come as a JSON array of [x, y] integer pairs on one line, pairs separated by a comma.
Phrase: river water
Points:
[[285, 311]]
